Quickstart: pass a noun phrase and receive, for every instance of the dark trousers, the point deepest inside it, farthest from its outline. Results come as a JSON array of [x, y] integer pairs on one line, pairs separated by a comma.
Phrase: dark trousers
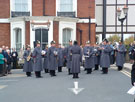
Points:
[[14, 64], [38, 74], [46, 70], [4, 69], [75, 75], [52, 73], [120, 68], [105, 70], [59, 69], [69, 71], [89, 71], [28, 74], [1, 69], [96, 67]]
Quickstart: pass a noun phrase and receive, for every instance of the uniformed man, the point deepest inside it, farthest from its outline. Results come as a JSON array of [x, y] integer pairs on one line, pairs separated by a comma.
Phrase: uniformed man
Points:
[[53, 58], [120, 58], [37, 56], [105, 58], [76, 58], [60, 58], [68, 50], [45, 64], [88, 52], [28, 64], [96, 56]]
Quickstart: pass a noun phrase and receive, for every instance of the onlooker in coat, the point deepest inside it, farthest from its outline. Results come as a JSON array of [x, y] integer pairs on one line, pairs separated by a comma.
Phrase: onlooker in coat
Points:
[[14, 56], [1, 62], [9, 61]]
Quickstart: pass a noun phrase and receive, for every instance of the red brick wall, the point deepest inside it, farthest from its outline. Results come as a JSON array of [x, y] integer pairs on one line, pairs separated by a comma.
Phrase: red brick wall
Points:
[[56, 32], [37, 7], [50, 7], [4, 8], [27, 32], [4, 34], [85, 33], [86, 8]]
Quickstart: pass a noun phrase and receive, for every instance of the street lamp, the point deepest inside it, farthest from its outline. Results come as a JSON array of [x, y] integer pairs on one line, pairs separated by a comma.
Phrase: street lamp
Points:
[[119, 13]]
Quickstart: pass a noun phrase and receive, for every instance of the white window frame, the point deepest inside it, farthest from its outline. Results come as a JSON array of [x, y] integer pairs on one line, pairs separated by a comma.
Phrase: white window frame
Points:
[[12, 6], [74, 6]]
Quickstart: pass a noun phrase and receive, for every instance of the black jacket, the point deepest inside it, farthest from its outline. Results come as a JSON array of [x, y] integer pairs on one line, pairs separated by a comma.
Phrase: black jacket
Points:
[[133, 74]]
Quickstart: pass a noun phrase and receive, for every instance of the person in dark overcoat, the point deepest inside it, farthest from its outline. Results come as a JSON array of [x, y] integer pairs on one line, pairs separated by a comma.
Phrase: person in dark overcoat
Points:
[[14, 55], [60, 58], [53, 58], [45, 63], [105, 58], [76, 58], [120, 58], [68, 50], [9, 62], [28, 63], [88, 52], [37, 58]]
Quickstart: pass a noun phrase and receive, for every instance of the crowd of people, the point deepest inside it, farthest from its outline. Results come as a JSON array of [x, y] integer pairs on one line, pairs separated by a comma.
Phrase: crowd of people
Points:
[[50, 59], [8, 60]]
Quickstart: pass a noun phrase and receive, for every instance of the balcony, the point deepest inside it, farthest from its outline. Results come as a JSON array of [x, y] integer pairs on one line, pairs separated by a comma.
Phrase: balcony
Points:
[[18, 14], [66, 14]]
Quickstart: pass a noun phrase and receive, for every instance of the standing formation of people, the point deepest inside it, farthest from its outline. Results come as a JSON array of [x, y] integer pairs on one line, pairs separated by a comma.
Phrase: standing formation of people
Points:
[[53, 58]]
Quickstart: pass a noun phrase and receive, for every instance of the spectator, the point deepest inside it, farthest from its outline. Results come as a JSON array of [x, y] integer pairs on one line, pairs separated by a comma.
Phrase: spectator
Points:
[[1, 62], [9, 61], [14, 56]]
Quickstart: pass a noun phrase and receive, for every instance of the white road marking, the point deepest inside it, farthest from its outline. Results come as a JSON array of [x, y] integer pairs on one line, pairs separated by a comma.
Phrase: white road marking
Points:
[[15, 76], [76, 90], [3, 86]]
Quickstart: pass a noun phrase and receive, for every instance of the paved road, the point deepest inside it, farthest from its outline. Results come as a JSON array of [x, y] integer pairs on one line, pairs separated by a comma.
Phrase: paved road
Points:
[[98, 87]]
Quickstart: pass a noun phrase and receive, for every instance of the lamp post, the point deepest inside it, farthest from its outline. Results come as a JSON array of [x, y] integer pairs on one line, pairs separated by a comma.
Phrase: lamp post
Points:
[[121, 19]]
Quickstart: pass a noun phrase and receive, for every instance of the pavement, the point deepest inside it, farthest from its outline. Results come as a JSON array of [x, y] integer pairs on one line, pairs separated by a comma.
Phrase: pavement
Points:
[[112, 87]]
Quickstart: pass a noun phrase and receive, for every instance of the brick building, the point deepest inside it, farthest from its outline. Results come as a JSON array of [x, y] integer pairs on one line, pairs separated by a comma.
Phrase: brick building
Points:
[[25, 21]]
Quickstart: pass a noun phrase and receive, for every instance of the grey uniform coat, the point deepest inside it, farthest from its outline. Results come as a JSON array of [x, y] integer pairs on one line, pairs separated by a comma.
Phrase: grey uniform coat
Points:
[[120, 59], [68, 50], [52, 58], [89, 58], [37, 56], [45, 64], [76, 59], [96, 56], [28, 65], [105, 57], [60, 57]]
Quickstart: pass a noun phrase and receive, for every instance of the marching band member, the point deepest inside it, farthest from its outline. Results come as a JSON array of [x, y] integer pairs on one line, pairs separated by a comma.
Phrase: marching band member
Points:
[[37, 56], [60, 58], [45, 64], [89, 58], [105, 58], [120, 58], [76, 58], [52, 58], [96, 57], [28, 64], [68, 49]]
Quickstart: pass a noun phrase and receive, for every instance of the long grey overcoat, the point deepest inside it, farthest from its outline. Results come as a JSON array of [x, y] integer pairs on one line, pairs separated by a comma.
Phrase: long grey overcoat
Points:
[[28, 65]]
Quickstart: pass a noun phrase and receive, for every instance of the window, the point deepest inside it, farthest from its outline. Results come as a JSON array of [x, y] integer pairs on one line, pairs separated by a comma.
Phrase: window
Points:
[[20, 8], [42, 35], [66, 5], [21, 5], [18, 39], [66, 36]]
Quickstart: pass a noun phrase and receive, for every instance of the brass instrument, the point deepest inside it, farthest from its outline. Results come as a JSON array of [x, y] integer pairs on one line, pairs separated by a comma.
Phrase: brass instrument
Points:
[[29, 57]]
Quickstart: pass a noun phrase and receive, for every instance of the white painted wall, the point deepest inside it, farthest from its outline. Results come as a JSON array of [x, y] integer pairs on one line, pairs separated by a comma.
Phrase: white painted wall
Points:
[[63, 25], [21, 25], [50, 32]]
